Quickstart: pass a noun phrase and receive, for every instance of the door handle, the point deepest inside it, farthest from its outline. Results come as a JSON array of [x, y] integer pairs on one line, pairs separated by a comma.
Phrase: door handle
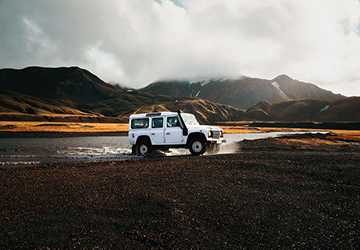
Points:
[[167, 133]]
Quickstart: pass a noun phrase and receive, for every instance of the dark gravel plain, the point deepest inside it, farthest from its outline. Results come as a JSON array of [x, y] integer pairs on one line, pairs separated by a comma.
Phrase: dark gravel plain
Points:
[[266, 196]]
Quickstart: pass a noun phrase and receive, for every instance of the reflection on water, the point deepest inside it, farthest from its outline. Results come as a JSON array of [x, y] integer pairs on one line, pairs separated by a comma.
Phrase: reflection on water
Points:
[[94, 151], [33, 151], [30, 151]]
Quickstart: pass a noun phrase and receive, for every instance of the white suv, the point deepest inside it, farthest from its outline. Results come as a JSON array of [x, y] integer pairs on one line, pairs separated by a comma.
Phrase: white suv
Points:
[[164, 130]]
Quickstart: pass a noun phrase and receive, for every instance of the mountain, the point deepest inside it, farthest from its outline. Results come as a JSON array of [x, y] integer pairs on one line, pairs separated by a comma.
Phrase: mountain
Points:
[[70, 88], [347, 109], [343, 110], [71, 84], [243, 92], [204, 110], [16, 103], [77, 94]]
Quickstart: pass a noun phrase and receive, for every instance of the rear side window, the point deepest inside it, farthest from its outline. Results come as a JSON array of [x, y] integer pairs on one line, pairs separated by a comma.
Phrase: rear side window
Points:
[[140, 123], [173, 122], [157, 122]]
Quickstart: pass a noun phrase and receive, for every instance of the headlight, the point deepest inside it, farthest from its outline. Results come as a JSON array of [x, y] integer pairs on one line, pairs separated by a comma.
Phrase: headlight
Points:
[[221, 133], [210, 133]]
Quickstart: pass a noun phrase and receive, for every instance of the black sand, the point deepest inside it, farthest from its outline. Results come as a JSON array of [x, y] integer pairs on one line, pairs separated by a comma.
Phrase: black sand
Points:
[[263, 197]]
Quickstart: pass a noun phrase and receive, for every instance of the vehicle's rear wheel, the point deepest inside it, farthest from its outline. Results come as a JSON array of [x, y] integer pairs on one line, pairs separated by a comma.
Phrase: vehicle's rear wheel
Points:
[[143, 148], [197, 146], [213, 149]]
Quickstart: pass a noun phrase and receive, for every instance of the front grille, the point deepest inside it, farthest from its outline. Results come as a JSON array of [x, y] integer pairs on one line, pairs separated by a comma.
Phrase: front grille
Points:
[[216, 134]]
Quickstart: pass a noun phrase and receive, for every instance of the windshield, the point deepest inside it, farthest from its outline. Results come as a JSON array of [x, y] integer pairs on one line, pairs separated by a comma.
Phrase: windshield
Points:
[[189, 119]]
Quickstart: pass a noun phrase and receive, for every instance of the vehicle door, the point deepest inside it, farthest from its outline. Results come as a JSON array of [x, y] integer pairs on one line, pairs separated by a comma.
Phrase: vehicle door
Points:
[[139, 127], [173, 131], [157, 131]]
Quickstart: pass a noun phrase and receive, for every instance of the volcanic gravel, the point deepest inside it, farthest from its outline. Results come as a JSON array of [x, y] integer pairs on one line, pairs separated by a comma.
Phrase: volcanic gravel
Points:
[[261, 197]]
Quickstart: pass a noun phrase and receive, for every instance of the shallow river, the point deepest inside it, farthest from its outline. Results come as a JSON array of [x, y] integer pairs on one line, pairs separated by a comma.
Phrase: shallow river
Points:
[[34, 151]]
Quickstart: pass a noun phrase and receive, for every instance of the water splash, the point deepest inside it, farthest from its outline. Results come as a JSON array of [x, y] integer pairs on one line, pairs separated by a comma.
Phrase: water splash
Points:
[[94, 151]]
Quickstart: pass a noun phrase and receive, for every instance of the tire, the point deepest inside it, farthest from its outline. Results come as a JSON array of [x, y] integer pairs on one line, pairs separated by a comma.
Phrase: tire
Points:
[[133, 150], [213, 149], [143, 147], [197, 146]]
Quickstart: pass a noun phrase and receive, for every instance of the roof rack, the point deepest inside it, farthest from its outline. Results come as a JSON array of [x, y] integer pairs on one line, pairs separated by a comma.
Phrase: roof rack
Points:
[[153, 114]]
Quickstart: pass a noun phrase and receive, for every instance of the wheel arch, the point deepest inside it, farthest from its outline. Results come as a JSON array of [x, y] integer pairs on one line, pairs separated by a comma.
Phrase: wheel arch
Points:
[[143, 138], [197, 135]]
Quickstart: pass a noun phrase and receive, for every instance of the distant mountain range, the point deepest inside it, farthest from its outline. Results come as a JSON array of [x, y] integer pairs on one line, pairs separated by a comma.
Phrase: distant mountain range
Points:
[[243, 92], [75, 91]]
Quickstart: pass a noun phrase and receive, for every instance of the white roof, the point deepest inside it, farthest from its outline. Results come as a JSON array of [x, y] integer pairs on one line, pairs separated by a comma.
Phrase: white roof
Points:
[[144, 115]]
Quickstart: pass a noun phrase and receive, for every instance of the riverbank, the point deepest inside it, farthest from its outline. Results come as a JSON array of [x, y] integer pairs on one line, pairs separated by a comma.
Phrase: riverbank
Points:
[[21, 129], [292, 192], [66, 128]]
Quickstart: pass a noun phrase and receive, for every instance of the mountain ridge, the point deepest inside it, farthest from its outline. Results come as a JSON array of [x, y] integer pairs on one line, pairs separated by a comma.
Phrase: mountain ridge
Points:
[[74, 87], [344, 110], [243, 92]]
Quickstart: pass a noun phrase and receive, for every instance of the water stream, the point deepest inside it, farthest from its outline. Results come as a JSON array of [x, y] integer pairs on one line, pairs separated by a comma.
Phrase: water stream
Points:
[[34, 151]]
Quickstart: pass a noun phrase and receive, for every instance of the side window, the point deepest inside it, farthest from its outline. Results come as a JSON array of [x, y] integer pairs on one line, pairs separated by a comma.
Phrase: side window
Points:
[[157, 122], [140, 123], [173, 122]]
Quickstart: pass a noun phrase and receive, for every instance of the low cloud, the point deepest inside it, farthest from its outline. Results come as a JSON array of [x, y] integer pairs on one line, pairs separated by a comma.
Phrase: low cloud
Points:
[[136, 42]]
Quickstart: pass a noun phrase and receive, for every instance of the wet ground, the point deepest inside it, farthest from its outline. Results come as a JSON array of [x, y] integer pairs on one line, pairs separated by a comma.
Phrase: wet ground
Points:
[[274, 193], [36, 151]]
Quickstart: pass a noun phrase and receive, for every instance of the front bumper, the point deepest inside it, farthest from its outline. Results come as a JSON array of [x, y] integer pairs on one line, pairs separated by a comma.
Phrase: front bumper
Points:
[[216, 141]]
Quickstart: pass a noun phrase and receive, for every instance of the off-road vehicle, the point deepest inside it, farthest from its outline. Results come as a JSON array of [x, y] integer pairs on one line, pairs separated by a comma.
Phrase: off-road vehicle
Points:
[[165, 130]]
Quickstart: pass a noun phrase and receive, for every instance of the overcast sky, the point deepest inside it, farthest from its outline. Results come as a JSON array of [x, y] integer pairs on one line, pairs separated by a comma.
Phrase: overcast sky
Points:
[[135, 42]]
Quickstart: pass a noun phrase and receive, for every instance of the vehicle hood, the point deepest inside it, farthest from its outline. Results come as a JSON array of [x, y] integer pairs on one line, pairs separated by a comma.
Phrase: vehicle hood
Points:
[[204, 127]]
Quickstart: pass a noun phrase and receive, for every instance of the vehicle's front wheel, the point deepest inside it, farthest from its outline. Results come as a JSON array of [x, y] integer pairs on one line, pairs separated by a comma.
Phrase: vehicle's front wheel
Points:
[[197, 146], [143, 148]]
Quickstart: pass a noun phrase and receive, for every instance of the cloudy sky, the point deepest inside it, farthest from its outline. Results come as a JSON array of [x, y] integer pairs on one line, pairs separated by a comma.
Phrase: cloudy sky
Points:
[[135, 42]]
